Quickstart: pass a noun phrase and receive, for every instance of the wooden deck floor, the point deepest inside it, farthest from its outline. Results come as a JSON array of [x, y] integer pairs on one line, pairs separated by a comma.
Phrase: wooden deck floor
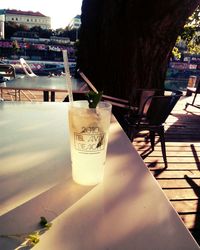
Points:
[[181, 180]]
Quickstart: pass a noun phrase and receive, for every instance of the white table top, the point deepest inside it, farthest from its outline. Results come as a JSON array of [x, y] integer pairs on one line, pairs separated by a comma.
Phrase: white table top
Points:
[[127, 211]]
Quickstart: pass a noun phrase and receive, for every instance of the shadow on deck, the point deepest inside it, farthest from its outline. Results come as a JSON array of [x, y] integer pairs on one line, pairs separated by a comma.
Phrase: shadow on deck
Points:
[[181, 180]]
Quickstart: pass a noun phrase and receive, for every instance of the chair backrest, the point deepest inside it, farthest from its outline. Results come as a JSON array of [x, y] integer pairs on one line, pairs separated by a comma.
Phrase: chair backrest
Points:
[[27, 69], [7, 71], [160, 107], [145, 94]]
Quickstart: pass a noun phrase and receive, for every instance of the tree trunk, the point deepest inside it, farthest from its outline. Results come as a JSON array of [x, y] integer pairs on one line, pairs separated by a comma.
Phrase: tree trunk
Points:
[[126, 44]]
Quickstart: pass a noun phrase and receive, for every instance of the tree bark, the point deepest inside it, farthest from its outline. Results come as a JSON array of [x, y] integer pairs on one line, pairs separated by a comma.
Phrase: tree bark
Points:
[[126, 44]]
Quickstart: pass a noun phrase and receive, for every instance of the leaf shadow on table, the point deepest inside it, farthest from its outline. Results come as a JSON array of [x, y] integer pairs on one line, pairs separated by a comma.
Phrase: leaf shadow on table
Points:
[[24, 219]]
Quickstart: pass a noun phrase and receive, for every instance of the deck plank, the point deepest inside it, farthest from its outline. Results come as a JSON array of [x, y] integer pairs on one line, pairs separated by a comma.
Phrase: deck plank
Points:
[[181, 180]]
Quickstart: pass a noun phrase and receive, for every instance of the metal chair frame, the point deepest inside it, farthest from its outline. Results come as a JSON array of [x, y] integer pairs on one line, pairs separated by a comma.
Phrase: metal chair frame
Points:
[[152, 120], [196, 91]]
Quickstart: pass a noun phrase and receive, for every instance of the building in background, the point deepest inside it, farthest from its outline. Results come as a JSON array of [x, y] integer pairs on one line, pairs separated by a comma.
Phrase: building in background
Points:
[[2, 27], [27, 18], [75, 23]]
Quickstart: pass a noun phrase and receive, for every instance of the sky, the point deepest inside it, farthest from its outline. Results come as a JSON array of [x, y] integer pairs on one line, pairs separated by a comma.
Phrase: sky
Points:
[[60, 11]]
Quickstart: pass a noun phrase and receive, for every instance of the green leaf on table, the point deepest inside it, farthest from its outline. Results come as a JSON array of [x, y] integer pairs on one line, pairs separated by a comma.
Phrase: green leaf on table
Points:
[[44, 223], [33, 238], [94, 98]]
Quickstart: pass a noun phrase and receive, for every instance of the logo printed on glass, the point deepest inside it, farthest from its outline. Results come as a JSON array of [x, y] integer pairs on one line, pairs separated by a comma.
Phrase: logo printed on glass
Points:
[[90, 140]]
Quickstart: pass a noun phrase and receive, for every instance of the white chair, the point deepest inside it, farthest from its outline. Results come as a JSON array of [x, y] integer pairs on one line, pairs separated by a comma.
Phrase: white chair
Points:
[[27, 69]]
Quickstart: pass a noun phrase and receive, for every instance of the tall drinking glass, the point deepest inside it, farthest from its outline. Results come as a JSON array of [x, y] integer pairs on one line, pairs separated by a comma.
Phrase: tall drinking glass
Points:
[[88, 138]]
